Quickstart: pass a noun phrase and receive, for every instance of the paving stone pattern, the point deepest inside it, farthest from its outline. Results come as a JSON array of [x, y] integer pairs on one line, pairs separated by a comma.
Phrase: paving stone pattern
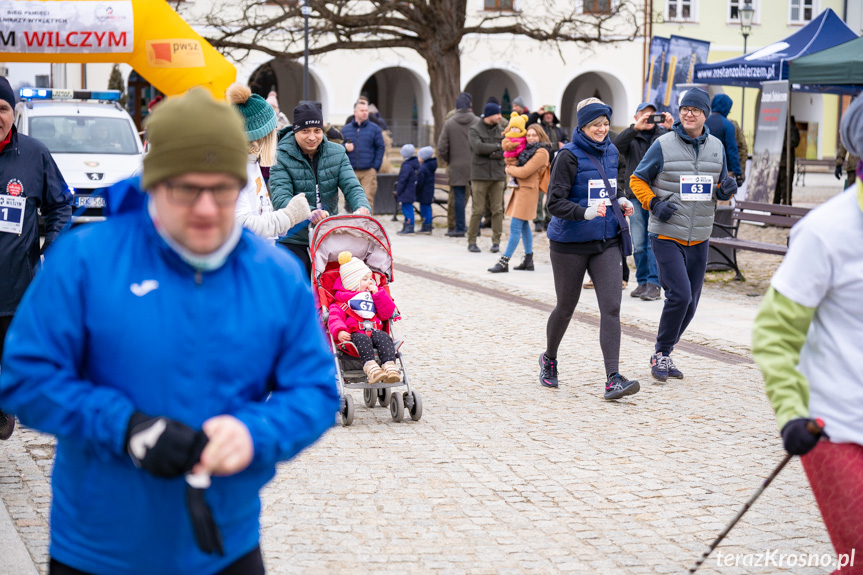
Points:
[[503, 476]]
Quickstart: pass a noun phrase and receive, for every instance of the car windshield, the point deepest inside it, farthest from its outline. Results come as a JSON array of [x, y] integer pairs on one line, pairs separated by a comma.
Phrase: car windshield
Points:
[[84, 134]]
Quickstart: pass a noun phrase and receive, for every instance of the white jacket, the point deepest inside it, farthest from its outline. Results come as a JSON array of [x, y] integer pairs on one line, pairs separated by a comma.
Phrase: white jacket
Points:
[[255, 210]]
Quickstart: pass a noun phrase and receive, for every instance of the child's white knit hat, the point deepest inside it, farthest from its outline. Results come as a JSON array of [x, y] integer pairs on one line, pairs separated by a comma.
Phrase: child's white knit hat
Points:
[[352, 271]]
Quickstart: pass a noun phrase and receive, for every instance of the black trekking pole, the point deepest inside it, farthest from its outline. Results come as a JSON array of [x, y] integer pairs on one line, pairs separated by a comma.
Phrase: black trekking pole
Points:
[[814, 428]]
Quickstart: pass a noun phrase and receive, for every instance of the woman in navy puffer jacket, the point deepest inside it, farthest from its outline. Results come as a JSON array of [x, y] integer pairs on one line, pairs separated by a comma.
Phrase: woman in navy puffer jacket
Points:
[[586, 234]]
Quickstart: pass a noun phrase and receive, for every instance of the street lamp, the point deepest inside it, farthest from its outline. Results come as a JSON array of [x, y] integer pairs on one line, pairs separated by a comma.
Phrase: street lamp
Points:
[[746, 13], [306, 10]]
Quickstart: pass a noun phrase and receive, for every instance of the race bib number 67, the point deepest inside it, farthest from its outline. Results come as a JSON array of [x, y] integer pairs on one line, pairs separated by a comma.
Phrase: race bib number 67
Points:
[[696, 188], [12, 214]]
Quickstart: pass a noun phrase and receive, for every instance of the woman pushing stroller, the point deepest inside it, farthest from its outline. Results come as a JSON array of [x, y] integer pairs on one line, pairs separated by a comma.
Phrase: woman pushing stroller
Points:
[[357, 314]]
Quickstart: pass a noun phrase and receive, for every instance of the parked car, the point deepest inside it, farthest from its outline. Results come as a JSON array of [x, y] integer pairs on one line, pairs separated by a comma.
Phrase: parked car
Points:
[[91, 137]]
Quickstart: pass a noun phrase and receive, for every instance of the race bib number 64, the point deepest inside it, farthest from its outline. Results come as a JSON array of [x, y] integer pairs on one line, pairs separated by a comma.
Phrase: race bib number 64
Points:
[[12, 214], [696, 188]]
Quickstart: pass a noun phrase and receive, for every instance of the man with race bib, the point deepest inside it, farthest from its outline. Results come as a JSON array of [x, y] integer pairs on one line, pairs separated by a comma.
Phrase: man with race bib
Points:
[[679, 180]]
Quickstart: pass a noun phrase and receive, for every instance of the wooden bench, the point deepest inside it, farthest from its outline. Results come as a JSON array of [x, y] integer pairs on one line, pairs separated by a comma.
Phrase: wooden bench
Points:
[[756, 212], [441, 191]]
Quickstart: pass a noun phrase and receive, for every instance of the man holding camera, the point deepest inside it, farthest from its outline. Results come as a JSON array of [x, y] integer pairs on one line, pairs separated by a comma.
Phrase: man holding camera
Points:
[[679, 180], [632, 144]]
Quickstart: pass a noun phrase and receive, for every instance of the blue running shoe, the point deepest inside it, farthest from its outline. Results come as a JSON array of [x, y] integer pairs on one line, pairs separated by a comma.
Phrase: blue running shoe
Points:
[[672, 369], [618, 386], [659, 367], [547, 371]]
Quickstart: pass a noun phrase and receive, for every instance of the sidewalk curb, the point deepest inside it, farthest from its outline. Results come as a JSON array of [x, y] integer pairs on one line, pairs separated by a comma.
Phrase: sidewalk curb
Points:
[[16, 559]]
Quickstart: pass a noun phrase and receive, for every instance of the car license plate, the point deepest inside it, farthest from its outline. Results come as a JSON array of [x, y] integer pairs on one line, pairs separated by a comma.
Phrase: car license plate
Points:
[[90, 202]]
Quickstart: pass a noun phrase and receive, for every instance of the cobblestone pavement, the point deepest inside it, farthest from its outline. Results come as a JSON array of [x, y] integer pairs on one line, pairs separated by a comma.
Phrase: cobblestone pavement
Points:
[[503, 476]]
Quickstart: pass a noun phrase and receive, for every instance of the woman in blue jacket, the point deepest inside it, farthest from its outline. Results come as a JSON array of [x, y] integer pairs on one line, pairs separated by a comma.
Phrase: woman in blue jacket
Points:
[[586, 234]]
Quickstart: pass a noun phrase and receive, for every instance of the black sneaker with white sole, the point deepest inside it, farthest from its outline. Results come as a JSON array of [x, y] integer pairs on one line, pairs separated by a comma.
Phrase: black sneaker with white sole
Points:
[[547, 371], [618, 386]]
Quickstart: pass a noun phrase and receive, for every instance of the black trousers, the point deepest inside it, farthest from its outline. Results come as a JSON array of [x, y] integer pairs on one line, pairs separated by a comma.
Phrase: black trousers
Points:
[[379, 339], [252, 563], [5, 320]]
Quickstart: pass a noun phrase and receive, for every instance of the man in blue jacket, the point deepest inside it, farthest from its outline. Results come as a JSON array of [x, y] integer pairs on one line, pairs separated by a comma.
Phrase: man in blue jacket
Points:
[[176, 357], [365, 145], [723, 128], [29, 181]]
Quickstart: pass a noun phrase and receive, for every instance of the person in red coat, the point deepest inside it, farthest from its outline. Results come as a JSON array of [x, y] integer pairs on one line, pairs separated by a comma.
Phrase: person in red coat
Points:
[[357, 315]]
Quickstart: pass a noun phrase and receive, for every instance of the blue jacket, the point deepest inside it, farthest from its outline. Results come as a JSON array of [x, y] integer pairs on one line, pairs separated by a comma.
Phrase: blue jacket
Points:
[[599, 228], [28, 170], [369, 146], [406, 187], [721, 127], [90, 345], [425, 181]]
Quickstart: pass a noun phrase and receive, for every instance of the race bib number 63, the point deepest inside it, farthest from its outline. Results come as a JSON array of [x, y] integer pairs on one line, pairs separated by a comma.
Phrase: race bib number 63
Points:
[[696, 188]]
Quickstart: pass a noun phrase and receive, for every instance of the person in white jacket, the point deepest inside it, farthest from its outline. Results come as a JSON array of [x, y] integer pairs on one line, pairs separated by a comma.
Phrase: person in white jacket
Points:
[[254, 208]]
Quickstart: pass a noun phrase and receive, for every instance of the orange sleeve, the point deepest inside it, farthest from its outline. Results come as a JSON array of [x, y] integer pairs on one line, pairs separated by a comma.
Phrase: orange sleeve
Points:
[[642, 191]]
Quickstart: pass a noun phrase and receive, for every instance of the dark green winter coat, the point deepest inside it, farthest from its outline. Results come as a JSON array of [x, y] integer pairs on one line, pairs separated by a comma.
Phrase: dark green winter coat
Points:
[[292, 174]]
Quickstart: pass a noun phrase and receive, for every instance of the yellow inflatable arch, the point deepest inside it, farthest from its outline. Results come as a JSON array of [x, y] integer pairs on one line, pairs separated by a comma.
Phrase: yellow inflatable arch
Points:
[[146, 34]]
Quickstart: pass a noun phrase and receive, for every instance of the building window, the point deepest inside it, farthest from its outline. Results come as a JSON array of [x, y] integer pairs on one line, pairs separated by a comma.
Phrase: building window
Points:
[[681, 10], [596, 7], [734, 7], [498, 4], [801, 10]]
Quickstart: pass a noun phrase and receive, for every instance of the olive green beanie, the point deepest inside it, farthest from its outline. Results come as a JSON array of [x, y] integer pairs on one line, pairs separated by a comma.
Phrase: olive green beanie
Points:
[[194, 133]]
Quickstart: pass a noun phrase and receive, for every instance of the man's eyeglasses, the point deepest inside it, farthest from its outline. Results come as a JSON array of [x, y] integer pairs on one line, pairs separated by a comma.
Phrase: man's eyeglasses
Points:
[[691, 112], [187, 194]]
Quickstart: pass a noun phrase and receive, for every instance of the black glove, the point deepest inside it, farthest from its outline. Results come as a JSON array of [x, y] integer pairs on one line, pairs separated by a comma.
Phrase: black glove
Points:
[[207, 533], [162, 446], [797, 439], [727, 188], [662, 210], [838, 172], [739, 179]]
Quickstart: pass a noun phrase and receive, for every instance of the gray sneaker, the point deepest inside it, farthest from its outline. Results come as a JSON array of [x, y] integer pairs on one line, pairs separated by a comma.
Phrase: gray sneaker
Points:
[[651, 293], [639, 291]]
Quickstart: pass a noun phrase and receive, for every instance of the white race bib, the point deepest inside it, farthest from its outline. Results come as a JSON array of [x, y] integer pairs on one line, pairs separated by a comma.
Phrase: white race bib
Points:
[[597, 193], [363, 305], [12, 213], [696, 188]]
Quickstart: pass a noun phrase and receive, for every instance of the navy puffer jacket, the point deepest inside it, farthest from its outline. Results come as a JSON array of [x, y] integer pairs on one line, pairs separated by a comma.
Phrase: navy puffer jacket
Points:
[[406, 188], [425, 181], [369, 146]]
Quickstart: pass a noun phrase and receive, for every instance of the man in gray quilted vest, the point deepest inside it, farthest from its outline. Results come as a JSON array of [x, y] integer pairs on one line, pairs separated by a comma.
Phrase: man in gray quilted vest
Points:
[[679, 180]]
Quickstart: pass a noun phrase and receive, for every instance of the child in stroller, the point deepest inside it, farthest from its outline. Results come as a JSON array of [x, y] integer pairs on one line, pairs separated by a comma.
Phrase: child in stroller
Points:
[[356, 315]]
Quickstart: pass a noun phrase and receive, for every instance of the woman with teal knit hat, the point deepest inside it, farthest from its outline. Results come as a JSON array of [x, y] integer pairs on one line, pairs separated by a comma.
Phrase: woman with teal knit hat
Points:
[[254, 208]]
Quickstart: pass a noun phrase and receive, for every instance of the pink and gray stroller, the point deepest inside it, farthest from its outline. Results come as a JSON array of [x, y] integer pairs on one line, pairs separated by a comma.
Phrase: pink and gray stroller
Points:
[[367, 240]]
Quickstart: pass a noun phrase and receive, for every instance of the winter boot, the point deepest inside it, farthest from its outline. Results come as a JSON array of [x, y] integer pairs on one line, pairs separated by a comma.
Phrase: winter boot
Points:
[[501, 266], [427, 228], [374, 371], [408, 229], [526, 263], [392, 372]]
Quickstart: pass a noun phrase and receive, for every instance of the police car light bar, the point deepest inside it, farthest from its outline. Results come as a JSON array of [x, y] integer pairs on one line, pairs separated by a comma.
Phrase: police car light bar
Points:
[[57, 94]]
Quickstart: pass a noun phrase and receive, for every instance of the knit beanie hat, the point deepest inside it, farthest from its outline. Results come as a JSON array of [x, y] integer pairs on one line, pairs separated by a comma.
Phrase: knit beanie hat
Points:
[[352, 271], [408, 151], [426, 153], [308, 115], [491, 109], [6, 92], [259, 115], [194, 133], [463, 101], [519, 101], [696, 98], [591, 112], [851, 127]]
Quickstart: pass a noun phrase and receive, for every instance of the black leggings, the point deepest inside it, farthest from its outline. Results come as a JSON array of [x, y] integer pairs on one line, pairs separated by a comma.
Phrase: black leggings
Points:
[[379, 339], [605, 270], [252, 563]]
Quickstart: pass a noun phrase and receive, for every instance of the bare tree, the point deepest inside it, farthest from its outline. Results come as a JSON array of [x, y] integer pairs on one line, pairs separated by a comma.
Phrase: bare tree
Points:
[[433, 28]]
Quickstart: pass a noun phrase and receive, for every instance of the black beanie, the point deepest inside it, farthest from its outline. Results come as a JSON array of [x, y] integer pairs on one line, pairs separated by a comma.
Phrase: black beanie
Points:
[[463, 101], [308, 115], [6, 92]]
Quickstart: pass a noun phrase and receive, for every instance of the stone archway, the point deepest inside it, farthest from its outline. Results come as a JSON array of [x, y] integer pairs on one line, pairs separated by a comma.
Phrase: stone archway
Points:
[[503, 85], [595, 85], [403, 100], [286, 78]]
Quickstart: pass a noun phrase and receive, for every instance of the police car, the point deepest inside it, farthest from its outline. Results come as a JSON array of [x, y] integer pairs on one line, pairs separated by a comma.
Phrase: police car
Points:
[[91, 137]]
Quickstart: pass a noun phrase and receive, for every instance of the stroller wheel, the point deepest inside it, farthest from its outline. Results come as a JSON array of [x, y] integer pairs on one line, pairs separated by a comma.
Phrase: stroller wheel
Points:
[[397, 407], [369, 397], [384, 396], [416, 410], [348, 411]]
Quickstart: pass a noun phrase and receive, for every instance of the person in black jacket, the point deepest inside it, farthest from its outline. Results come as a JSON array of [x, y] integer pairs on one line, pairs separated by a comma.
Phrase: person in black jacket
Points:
[[632, 144], [29, 181]]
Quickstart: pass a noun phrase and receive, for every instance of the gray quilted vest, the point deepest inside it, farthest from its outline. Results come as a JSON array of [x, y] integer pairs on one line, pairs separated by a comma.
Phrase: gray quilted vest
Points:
[[693, 221]]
